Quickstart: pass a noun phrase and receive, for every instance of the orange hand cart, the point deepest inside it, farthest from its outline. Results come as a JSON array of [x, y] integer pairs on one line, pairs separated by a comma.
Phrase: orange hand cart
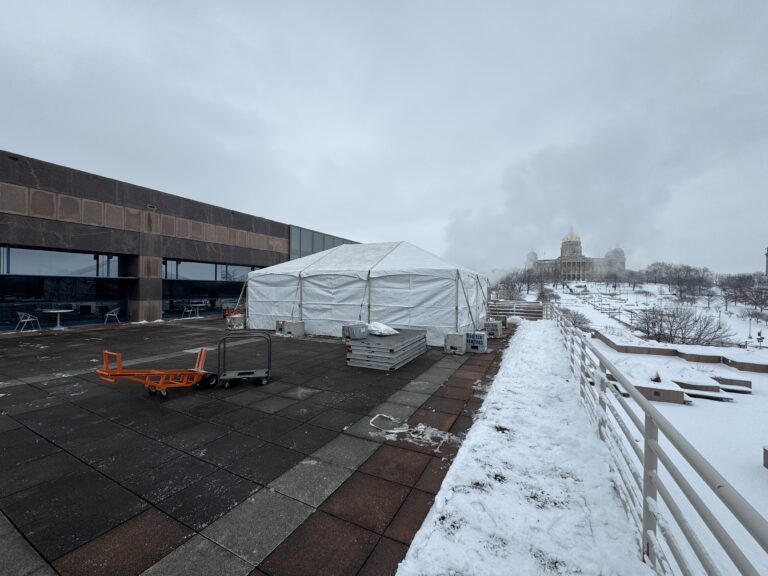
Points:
[[157, 381]]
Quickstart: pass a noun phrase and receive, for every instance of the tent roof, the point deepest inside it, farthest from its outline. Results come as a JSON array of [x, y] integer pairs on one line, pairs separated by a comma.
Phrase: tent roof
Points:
[[380, 259]]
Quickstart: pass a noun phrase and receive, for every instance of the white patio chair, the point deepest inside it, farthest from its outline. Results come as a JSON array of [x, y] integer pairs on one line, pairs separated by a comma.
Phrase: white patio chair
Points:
[[24, 319], [189, 312], [112, 314]]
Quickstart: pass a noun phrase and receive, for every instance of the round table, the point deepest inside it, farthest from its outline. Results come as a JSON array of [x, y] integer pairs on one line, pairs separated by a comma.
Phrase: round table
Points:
[[58, 313]]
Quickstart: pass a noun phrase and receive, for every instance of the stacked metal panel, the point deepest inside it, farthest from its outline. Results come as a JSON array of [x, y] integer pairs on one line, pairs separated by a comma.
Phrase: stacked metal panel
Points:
[[387, 352]]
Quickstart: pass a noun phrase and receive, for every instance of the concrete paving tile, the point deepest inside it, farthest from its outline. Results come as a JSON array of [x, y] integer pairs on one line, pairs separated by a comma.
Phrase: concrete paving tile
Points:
[[399, 411], [346, 451], [334, 419], [198, 435], [311, 481], [397, 465], [13, 395], [306, 438], [128, 549], [199, 557], [367, 501], [254, 528], [432, 477], [157, 484], [17, 478], [421, 386], [228, 449], [17, 556], [414, 399], [33, 405], [111, 445], [363, 429], [20, 445], [339, 547], [273, 404], [409, 518], [156, 423], [266, 463], [5, 525], [208, 499], [432, 378], [329, 398], [384, 559], [270, 427]]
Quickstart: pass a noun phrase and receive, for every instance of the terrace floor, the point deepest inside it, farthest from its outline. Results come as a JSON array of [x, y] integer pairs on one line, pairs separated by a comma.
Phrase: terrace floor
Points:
[[283, 479]]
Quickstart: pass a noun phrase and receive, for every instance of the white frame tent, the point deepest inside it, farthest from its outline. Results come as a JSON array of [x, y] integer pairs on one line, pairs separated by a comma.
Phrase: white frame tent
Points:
[[396, 283]]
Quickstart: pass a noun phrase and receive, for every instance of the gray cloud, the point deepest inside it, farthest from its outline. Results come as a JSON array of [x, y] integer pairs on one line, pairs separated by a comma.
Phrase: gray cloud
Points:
[[477, 132]]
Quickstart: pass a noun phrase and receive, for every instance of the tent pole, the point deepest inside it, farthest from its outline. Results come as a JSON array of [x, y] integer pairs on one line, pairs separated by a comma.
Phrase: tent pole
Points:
[[368, 286], [457, 302], [301, 298]]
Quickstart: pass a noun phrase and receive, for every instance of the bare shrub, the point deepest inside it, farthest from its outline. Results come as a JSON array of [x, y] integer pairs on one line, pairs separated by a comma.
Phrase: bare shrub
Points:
[[577, 319], [682, 325]]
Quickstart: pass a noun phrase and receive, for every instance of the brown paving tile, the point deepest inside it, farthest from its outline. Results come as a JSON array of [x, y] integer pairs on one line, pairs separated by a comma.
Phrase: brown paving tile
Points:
[[128, 549], [454, 393], [463, 383], [439, 420], [384, 559], [473, 405], [367, 501], [396, 464], [322, 545], [408, 519], [447, 405], [441, 451], [462, 425], [433, 475], [257, 572]]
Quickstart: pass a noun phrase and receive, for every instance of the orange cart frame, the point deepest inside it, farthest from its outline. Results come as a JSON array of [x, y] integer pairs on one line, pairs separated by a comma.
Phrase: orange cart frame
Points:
[[157, 381]]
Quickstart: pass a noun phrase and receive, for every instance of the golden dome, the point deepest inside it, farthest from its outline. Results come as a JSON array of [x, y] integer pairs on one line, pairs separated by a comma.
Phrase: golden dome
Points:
[[571, 237]]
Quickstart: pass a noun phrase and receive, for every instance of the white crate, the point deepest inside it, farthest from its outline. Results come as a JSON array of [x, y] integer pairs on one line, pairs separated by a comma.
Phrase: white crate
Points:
[[355, 331], [494, 329], [455, 343], [289, 328], [477, 342]]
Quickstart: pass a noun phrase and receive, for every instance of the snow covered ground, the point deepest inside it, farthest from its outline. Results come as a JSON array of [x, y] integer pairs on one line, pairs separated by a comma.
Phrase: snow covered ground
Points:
[[603, 305], [530, 491]]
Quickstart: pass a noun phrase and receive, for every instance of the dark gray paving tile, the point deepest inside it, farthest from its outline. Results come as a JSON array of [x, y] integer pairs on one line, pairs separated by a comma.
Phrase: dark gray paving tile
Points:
[[159, 483], [273, 404], [198, 435], [266, 463], [60, 515], [17, 478], [270, 427], [238, 418], [208, 499], [147, 455], [228, 449], [306, 438], [20, 445], [303, 411], [334, 419]]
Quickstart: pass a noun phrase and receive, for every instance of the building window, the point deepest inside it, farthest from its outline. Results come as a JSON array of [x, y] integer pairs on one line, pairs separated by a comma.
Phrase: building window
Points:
[[30, 262]]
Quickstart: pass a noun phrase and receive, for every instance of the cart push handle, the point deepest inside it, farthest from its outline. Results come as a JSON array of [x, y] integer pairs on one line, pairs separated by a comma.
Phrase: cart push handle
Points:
[[222, 348], [106, 373]]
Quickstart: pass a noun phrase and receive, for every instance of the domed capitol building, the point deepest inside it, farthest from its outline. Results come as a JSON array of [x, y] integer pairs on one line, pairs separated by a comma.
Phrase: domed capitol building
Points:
[[573, 266]]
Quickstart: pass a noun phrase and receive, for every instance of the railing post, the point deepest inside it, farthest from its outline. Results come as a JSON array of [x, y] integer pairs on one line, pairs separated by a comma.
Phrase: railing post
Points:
[[650, 464], [602, 374]]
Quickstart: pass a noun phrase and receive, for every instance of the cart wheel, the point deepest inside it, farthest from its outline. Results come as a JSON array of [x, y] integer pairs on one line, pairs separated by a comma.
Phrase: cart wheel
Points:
[[163, 394], [264, 381], [226, 383], [209, 380], [152, 390]]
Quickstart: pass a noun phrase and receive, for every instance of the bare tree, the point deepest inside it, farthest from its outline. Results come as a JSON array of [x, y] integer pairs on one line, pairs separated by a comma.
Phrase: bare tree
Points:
[[682, 325]]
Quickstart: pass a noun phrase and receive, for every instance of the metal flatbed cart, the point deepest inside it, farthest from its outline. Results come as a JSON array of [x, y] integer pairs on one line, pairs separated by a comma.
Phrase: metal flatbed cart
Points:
[[226, 377]]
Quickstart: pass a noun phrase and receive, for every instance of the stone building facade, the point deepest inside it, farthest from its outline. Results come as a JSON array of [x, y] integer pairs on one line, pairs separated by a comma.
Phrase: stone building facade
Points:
[[573, 266]]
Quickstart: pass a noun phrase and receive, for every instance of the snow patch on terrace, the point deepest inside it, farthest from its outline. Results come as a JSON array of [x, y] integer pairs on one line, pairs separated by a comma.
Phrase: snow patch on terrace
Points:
[[531, 489]]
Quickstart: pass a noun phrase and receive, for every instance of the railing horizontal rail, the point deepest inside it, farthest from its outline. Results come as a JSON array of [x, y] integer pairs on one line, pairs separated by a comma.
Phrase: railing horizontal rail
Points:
[[603, 398]]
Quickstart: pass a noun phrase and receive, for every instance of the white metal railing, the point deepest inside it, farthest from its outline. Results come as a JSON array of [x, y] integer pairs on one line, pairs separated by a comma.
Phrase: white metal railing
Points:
[[680, 533]]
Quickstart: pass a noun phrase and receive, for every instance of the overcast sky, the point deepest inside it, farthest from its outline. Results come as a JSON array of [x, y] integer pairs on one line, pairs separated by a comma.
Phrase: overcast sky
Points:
[[478, 130]]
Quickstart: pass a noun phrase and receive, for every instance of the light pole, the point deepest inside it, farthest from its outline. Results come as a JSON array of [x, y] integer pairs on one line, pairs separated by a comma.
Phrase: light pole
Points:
[[750, 328]]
